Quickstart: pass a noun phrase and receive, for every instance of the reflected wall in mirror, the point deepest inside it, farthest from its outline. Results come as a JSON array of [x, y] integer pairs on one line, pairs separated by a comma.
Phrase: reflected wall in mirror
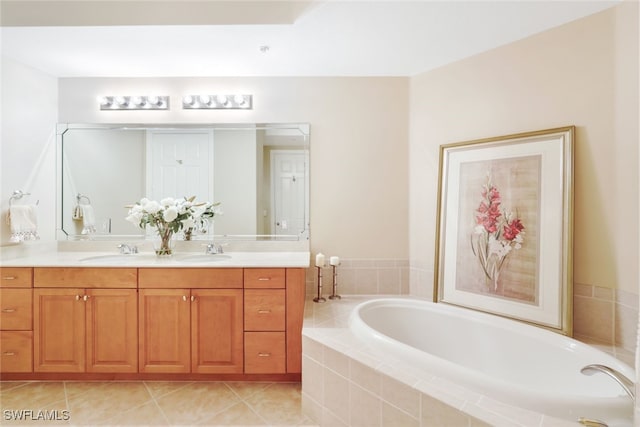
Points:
[[259, 173]]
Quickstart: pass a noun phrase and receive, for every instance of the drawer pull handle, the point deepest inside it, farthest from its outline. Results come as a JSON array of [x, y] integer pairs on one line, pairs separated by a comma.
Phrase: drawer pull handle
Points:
[[8, 310], [264, 354], [8, 353], [9, 278], [264, 311], [264, 279]]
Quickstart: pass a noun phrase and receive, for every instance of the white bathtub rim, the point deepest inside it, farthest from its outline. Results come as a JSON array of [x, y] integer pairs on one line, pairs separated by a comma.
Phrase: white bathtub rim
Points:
[[498, 390]]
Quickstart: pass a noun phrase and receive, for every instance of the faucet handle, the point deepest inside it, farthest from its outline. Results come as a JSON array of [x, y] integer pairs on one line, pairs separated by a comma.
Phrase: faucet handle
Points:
[[127, 249], [213, 249]]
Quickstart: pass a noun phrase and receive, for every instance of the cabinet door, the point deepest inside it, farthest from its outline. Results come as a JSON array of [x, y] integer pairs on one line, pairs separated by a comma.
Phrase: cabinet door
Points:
[[59, 330], [164, 322], [112, 333], [216, 331]]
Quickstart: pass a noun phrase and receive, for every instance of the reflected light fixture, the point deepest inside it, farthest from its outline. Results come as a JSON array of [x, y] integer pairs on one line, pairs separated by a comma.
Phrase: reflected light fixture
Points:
[[217, 102], [121, 102]]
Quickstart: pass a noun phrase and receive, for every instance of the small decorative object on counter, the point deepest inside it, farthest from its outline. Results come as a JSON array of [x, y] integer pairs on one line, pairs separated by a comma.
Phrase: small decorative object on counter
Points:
[[334, 261], [170, 216], [320, 260]]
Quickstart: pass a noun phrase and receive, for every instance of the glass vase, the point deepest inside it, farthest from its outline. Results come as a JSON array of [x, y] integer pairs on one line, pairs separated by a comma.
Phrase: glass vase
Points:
[[163, 245]]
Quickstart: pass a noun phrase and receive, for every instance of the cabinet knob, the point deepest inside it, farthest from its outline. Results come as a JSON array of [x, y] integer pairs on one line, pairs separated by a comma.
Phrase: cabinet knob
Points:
[[85, 298], [193, 298], [184, 297], [77, 297], [8, 310]]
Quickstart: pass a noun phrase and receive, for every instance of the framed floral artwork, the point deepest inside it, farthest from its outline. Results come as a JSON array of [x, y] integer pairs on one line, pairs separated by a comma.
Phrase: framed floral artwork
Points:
[[504, 233]]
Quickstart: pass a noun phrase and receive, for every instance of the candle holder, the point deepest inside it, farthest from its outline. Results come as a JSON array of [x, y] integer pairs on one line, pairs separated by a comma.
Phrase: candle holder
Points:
[[319, 298], [334, 294]]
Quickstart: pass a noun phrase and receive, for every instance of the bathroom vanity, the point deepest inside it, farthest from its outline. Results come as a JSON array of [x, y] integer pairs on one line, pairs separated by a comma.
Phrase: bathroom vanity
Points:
[[72, 316]]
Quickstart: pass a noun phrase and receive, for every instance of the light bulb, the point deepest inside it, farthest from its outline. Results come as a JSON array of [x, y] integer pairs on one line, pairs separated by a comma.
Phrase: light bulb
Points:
[[122, 101], [239, 99], [138, 101], [222, 99], [105, 101], [188, 100], [154, 100], [204, 99]]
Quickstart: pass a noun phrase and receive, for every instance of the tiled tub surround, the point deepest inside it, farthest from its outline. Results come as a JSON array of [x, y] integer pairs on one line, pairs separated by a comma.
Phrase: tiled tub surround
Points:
[[346, 383], [363, 277]]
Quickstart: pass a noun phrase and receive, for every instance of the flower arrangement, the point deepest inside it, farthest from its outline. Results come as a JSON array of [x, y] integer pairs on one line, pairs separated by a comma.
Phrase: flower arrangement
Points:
[[496, 234], [170, 216]]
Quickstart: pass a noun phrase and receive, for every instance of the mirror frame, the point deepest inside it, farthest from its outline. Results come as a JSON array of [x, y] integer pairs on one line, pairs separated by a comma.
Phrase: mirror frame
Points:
[[285, 240]]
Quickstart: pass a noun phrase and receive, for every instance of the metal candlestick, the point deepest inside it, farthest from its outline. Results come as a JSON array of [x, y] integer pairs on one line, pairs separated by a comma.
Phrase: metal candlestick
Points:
[[334, 295], [319, 298]]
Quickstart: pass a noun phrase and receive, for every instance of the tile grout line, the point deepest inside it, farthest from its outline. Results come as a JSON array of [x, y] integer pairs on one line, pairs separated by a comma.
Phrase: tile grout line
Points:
[[155, 402]]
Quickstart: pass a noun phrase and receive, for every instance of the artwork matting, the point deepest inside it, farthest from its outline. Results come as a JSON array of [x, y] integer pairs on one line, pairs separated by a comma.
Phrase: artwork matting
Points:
[[504, 229]]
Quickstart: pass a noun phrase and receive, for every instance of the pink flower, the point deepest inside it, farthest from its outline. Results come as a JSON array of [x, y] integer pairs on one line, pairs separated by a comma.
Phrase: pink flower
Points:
[[512, 229], [489, 209]]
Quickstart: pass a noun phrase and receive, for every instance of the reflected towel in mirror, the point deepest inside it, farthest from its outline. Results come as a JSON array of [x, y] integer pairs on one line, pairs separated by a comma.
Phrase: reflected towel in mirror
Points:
[[23, 221], [88, 219]]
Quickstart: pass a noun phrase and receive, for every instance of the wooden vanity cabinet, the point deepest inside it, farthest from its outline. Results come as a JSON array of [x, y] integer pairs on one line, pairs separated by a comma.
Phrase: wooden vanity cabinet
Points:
[[191, 330], [16, 320], [79, 328]]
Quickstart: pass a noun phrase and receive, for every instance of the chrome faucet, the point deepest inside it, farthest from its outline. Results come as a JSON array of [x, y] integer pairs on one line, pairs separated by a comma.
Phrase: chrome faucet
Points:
[[625, 382], [213, 249], [127, 249]]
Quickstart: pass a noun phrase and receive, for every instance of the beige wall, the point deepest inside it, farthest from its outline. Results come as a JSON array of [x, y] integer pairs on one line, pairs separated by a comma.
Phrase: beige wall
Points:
[[585, 74], [359, 144]]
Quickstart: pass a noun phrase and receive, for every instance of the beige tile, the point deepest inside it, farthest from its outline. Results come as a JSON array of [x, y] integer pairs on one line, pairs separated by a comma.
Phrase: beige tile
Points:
[[336, 361], [336, 394], [367, 281], [365, 408], [147, 414], [582, 290], [436, 413], [311, 409], [8, 385], [245, 389], [389, 281], [312, 383], [603, 293], [626, 327], [33, 395], [95, 403], [239, 414], [329, 419], [279, 403], [394, 417], [197, 401], [593, 318], [160, 388], [366, 377], [401, 396]]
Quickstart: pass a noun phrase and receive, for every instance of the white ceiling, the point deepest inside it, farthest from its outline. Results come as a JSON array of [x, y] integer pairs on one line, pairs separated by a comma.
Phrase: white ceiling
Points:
[[328, 38]]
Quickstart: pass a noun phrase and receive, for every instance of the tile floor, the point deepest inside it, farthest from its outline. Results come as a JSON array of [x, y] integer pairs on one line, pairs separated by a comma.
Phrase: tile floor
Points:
[[152, 403]]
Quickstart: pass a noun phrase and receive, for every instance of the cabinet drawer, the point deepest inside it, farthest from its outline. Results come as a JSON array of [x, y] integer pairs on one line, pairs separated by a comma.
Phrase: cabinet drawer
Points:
[[264, 278], [16, 309], [264, 310], [80, 277], [15, 277], [16, 351], [264, 353], [173, 278]]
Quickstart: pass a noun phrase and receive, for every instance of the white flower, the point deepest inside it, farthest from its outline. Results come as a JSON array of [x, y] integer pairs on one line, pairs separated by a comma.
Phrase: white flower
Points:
[[134, 218], [170, 214], [152, 207], [188, 223], [168, 201], [144, 201]]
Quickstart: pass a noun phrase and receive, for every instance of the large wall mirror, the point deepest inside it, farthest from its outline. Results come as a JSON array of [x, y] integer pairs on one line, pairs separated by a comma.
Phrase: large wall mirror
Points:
[[259, 173]]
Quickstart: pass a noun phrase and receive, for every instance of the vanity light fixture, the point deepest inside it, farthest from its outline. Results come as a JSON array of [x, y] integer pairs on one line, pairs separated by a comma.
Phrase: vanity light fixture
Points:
[[217, 102], [151, 102]]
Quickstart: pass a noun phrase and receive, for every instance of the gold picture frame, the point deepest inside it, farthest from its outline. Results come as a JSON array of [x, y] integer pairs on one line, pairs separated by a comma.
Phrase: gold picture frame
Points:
[[504, 237]]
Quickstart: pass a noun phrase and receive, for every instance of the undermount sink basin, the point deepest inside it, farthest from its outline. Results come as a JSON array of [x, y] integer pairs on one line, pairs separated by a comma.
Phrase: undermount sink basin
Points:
[[202, 258], [111, 258]]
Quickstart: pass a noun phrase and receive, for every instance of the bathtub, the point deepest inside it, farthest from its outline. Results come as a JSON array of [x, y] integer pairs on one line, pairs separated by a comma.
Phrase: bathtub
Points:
[[512, 362]]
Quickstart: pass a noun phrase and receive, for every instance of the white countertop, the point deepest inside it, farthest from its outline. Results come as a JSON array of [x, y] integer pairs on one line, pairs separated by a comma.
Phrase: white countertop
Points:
[[149, 259]]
